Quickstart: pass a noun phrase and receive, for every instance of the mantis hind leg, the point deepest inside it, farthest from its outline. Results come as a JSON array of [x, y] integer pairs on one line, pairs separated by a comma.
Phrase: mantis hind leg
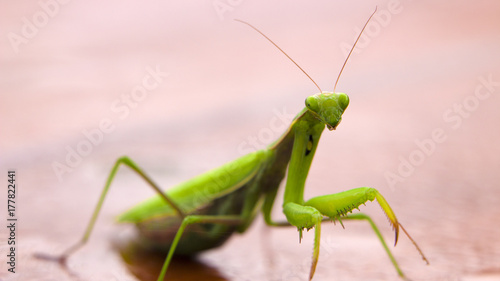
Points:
[[121, 161]]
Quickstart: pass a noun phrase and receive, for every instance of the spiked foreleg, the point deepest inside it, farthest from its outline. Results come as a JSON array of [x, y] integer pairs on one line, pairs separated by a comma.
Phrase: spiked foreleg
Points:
[[340, 204], [305, 217]]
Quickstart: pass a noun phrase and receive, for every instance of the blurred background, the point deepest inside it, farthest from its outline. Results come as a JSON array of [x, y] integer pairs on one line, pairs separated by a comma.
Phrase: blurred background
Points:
[[181, 88]]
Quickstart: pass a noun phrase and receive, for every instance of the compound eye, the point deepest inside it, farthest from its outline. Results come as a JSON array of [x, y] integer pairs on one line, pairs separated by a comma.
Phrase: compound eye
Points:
[[312, 103], [343, 101]]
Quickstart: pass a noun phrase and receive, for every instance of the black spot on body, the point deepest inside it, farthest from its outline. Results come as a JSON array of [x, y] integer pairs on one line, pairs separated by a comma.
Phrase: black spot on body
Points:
[[309, 145]]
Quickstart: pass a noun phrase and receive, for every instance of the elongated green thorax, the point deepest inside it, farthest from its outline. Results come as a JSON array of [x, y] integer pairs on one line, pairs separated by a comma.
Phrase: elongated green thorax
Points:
[[321, 109]]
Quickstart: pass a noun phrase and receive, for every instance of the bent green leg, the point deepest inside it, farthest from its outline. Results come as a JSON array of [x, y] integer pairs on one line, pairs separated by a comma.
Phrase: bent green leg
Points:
[[361, 216], [340, 204], [193, 219], [334, 206], [121, 161]]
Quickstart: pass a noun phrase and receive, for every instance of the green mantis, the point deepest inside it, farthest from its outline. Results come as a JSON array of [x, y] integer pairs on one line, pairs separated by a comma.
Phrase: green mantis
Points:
[[203, 212]]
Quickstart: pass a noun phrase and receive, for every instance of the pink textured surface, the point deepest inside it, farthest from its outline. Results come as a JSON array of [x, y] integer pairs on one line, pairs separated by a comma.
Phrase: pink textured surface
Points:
[[415, 76]]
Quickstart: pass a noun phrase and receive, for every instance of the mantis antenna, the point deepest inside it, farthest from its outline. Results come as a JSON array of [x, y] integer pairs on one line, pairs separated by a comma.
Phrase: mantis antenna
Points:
[[352, 49], [345, 62], [281, 51]]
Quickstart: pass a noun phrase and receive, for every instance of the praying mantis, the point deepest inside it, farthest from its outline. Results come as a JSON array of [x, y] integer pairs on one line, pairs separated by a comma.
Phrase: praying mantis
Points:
[[203, 212]]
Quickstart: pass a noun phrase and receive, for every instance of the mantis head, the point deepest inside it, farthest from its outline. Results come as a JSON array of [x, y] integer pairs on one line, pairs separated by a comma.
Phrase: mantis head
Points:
[[328, 107]]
